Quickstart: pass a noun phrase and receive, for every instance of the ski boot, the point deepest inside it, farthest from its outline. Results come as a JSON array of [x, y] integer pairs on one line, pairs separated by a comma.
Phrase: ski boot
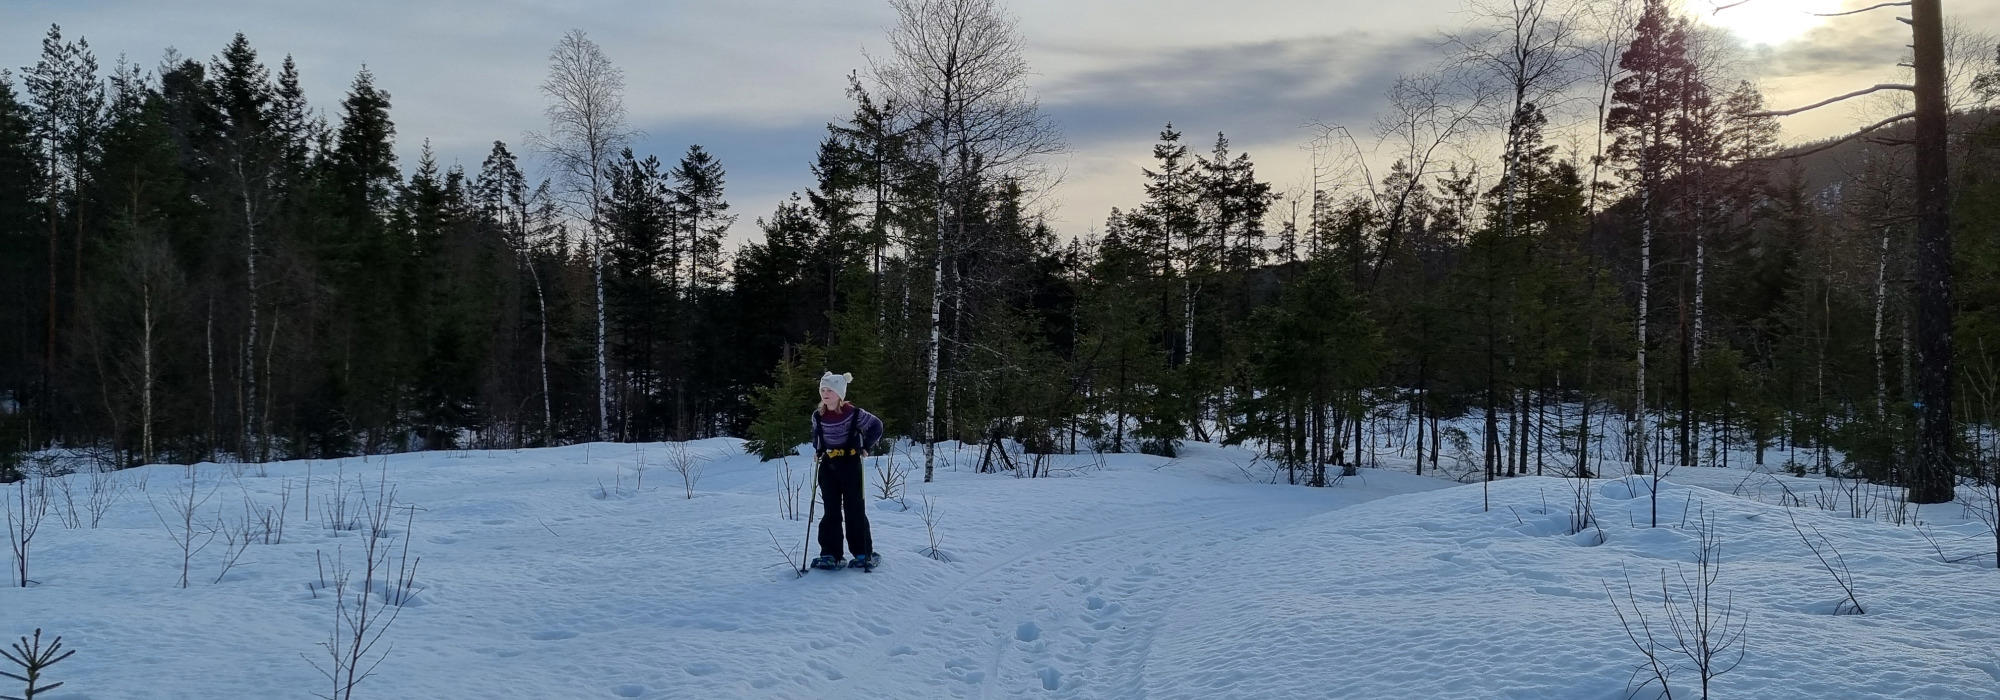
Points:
[[826, 561], [866, 562]]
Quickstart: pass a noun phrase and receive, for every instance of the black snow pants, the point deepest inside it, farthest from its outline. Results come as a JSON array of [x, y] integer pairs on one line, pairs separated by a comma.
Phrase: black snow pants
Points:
[[840, 488]]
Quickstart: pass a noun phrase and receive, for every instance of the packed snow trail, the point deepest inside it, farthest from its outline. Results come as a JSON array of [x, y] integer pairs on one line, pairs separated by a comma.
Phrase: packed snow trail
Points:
[[555, 573], [1053, 589]]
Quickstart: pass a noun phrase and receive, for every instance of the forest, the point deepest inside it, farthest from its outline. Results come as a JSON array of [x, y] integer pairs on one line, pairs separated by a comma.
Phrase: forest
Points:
[[1585, 233]]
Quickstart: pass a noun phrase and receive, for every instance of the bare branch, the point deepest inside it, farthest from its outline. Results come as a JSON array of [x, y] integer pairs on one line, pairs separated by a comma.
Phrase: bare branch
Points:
[[1841, 140], [1856, 12], [1831, 100]]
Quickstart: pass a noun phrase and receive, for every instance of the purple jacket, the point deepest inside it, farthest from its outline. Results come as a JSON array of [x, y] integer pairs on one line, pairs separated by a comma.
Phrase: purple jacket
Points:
[[851, 427]]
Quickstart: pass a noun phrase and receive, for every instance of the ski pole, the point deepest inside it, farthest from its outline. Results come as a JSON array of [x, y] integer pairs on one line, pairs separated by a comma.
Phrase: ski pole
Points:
[[812, 501]]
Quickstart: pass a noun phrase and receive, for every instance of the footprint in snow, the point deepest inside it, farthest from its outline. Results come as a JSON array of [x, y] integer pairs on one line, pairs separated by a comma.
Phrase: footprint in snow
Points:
[[825, 669], [629, 690], [961, 668], [552, 635], [1028, 631]]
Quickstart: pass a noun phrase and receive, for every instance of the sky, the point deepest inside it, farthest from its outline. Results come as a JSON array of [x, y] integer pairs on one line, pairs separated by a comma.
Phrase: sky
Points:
[[755, 82]]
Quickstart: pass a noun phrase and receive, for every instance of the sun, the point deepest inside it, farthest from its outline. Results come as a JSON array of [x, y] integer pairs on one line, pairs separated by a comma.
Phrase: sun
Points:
[[1765, 22]]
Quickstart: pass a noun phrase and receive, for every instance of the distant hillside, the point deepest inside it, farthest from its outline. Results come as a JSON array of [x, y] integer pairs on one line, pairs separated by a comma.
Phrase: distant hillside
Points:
[[1826, 170]]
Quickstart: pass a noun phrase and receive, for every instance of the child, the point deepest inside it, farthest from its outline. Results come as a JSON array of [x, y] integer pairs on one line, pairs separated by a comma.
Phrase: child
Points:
[[843, 433]]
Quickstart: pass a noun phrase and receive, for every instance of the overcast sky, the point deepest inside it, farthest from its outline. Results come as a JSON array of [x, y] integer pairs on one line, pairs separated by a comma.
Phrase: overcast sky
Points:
[[755, 81]]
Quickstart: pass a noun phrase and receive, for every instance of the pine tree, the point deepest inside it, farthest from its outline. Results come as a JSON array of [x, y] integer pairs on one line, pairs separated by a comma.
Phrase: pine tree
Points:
[[1646, 120], [290, 118], [1975, 220], [66, 99], [21, 249]]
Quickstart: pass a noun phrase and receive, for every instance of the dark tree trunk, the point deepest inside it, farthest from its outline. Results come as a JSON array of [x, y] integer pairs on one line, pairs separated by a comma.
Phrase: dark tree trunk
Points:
[[1684, 437], [1422, 368], [1931, 479], [44, 405]]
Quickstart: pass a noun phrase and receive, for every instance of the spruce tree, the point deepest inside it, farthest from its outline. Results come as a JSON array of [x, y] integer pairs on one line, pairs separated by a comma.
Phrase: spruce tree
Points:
[[361, 395], [783, 407], [134, 300], [702, 213], [639, 304]]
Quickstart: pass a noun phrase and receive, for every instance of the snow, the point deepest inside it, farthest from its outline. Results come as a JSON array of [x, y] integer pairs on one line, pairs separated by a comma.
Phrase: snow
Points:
[[550, 573]]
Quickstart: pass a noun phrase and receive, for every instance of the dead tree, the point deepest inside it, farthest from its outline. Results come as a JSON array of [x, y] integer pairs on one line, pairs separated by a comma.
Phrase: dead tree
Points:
[[1931, 478]]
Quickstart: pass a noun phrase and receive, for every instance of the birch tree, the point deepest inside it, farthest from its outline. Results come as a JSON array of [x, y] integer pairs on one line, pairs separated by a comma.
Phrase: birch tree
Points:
[[1527, 49], [1428, 115], [586, 113], [503, 189], [956, 66], [1607, 27], [247, 154]]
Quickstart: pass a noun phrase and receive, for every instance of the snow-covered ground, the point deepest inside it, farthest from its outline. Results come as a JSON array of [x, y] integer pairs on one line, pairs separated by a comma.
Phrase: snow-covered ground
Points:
[[546, 574]]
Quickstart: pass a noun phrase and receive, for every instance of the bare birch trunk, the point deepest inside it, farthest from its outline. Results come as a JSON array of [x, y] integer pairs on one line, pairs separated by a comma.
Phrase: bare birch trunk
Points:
[[146, 372], [1881, 286], [937, 313], [250, 439], [214, 403], [1638, 426]]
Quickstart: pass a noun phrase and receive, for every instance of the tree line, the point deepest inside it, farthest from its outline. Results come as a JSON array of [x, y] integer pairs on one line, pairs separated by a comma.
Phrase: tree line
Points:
[[1585, 236]]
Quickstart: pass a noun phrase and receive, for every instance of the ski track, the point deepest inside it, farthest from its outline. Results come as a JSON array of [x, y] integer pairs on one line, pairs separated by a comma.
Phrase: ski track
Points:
[[1068, 616]]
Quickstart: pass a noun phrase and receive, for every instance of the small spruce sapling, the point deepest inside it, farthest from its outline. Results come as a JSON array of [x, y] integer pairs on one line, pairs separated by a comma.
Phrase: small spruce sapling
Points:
[[34, 660]]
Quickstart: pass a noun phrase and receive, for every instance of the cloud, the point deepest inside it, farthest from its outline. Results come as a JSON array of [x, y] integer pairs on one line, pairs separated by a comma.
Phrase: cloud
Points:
[[754, 81], [1253, 90], [1840, 48]]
